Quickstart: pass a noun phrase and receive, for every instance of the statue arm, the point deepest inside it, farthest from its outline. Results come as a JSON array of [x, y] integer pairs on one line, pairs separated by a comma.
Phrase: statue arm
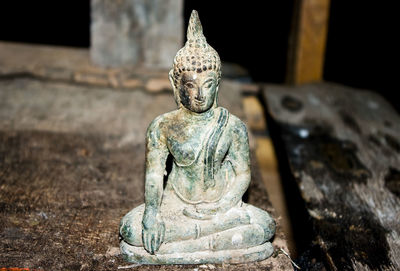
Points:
[[239, 156], [156, 156]]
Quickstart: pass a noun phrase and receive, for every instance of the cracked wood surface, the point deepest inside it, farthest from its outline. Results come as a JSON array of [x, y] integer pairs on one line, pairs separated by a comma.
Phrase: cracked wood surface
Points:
[[343, 148]]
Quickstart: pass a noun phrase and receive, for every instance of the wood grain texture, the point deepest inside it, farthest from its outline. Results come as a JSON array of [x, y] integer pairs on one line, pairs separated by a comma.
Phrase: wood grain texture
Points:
[[343, 147]]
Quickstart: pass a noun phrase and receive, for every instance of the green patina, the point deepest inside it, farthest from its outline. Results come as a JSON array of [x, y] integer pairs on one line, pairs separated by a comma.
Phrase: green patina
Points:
[[199, 216]]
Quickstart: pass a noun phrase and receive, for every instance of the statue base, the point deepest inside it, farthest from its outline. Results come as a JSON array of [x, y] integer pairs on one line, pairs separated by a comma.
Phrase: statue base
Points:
[[141, 256]]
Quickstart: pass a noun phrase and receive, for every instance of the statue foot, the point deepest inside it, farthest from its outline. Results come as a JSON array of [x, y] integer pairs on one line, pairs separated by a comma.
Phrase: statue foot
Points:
[[139, 255]]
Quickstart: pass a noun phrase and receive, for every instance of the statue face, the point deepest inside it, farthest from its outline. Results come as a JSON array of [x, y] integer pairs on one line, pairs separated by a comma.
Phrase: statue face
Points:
[[197, 90]]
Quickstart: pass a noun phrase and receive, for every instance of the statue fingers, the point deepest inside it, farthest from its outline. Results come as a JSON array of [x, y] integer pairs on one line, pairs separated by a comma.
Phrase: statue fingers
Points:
[[144, 239], [153, 243], [161, 236], [207, 208], [208, 211], [189, 213], [205, 211], [147, 241], [157, 242]]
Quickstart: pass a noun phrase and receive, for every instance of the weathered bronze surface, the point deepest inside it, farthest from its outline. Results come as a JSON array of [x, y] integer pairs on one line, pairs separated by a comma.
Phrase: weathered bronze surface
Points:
[[199, 216]]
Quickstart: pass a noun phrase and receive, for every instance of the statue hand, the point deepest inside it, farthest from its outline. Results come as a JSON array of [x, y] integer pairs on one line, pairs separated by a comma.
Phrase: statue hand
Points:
[[153, 232], [213, 208], [207, 208], [205, 211], [193, 213]]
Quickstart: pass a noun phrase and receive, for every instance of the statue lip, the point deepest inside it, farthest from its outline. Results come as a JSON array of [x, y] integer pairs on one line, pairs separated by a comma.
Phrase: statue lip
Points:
[[199, 102]]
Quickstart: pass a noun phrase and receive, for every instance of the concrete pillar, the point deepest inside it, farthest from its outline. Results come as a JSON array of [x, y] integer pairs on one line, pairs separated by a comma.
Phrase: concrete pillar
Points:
[[136, 32]]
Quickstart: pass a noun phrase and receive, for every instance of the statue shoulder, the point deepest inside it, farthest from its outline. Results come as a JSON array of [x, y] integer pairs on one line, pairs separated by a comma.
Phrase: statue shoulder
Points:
[[156, 129], [160, 121], [237, 126]]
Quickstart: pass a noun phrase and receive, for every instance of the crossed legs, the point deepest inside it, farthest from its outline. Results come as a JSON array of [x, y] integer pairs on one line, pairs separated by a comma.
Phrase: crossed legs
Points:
[[241, 227]]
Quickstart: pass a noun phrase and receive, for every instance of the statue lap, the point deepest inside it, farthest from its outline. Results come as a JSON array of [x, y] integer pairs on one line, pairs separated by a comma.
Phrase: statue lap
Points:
[[179, 227]]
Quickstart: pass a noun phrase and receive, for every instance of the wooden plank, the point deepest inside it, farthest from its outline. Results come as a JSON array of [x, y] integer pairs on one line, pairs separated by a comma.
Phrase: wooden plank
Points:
[[308, 41], [268, 168], [343, 147], [266, 159], [254, 114]]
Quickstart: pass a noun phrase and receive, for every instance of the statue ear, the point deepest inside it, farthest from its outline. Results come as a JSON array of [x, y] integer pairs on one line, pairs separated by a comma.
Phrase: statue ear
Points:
[[216, 96], [174, 88], [171, 79]]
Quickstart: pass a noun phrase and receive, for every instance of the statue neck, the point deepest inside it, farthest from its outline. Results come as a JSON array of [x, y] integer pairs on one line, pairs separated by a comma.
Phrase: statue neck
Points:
[[207, 115]]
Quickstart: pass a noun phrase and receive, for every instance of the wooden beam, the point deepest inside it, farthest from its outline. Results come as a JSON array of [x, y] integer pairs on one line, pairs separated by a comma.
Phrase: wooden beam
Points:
[[268, 164], [343, 149], [308, 41]]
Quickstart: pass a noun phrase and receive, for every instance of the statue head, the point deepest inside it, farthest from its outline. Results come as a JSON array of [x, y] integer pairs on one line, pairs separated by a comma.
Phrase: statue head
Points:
[[196, 72]]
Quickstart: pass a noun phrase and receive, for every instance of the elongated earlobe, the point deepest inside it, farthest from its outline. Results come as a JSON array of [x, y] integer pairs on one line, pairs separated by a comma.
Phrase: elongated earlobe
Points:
[[174, 88], [216, 97]]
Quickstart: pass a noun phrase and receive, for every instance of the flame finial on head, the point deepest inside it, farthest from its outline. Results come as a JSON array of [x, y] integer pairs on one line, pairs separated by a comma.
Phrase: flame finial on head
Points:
[[195, 30]]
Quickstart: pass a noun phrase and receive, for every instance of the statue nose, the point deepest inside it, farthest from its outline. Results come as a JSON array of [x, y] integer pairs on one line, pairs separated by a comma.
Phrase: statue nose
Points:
[[199, 95]]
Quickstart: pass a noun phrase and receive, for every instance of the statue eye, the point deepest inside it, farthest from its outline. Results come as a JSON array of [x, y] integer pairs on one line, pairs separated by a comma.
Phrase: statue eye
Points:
[[189, 85], [208, 84]]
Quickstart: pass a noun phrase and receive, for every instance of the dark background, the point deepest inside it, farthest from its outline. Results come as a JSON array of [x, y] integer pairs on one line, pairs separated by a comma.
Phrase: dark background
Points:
[[361, 49]]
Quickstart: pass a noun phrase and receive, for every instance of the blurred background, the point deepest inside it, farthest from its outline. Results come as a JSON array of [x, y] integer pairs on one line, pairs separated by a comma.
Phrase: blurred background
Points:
[[361, 48]]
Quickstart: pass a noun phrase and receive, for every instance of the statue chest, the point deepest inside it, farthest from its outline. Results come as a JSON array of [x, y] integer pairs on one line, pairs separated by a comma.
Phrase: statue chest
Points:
[[186, 146]]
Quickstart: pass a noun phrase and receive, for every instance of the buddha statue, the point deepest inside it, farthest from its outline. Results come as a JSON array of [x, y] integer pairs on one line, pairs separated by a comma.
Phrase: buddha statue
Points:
[[198, 216]]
